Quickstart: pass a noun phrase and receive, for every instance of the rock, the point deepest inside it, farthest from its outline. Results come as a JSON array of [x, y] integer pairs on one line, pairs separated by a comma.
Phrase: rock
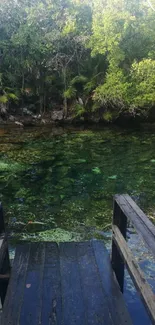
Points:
[[3, 109], [80, 101], [57, 115], [26, 111], [11, 118], [94, 119], [19, 124]]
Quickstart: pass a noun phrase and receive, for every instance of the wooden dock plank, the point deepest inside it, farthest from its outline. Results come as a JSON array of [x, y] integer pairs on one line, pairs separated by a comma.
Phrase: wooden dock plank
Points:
[[97, 309], [32, 298], [63, 285], [115, 301], [16, 286], [51, 289], [72, 293]]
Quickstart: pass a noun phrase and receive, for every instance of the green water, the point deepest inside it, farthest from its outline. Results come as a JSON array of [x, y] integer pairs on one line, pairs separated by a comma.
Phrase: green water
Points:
[[58, 184]]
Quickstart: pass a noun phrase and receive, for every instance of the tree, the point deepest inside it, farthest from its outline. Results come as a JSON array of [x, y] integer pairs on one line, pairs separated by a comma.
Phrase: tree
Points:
[[63, 53]]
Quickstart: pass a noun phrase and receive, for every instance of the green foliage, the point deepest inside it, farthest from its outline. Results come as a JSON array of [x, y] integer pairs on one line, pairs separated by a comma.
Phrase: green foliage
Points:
[[56, 235], [70, 93], [114, 90], [78, 80], [79, 110], [108, 116], [12, 96], [93, 50], [143, 77], [4, 99]]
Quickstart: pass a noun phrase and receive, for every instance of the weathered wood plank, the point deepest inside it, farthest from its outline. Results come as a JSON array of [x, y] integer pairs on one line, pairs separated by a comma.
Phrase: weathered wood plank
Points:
[[2, 250], [120, 220], [14, 297], [4, 256], [95, 299], [115, 300], [4, 267], [4, 276], [141, 214], [137, 275], [142, 224], [51, 289], [32, 298], [2, 225], [65, 285], [73, 306]]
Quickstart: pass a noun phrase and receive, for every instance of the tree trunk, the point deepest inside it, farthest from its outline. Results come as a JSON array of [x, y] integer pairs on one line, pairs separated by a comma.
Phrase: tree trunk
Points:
[[65, 109]]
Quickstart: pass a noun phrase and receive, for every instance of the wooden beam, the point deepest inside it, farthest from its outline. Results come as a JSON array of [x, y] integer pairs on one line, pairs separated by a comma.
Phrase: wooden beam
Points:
[[136, 273], [4, 255], [120, 220], [140, 221], [4, 276], [4, 267], [2, 225]]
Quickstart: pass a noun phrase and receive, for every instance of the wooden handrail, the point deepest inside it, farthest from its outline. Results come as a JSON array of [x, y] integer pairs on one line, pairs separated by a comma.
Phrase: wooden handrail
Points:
[[4, 258], [126, 209], [2, 224], [140, 221]]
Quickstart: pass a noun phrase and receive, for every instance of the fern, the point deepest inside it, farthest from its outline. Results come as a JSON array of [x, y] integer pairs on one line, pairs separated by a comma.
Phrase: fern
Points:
[[79, 110], [4, 99], [70, 93], [108, 116], [78, 80], [95, 107], [12, 96], [90, 86]]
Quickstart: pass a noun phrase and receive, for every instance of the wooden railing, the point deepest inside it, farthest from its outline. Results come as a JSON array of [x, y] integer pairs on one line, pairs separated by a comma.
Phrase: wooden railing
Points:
[[126, 209], [4, 259]]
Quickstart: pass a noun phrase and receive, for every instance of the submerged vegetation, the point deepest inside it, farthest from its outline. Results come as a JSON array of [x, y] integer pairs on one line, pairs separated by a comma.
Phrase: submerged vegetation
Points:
[[90, 59], [61, 186]]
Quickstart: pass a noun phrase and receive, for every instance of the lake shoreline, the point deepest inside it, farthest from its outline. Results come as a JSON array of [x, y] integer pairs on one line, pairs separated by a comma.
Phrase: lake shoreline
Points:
[[30, 121]]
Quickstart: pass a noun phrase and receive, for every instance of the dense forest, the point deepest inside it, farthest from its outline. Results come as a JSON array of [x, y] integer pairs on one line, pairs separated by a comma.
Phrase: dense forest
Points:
[[85, 59]]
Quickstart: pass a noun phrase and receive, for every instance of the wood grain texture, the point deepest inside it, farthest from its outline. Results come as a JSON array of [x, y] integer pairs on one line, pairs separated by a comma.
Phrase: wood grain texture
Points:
[[120, 220], [4, 258], [4, 267], [137, 275], [73, 306], [14, 297], [51, 287], [4, 255], [32, 297], [2, 225], [142, 224], [114, 297], [65, 284], [96, 304]]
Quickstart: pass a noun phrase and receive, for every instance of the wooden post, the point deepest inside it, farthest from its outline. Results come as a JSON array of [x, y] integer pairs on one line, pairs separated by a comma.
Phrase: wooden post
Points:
[[4, 281], [2, 225], [119, 220], [4, 258]]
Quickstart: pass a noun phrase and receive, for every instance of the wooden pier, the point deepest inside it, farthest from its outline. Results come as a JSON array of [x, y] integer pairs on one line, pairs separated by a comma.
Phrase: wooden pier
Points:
[[75, 283]]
